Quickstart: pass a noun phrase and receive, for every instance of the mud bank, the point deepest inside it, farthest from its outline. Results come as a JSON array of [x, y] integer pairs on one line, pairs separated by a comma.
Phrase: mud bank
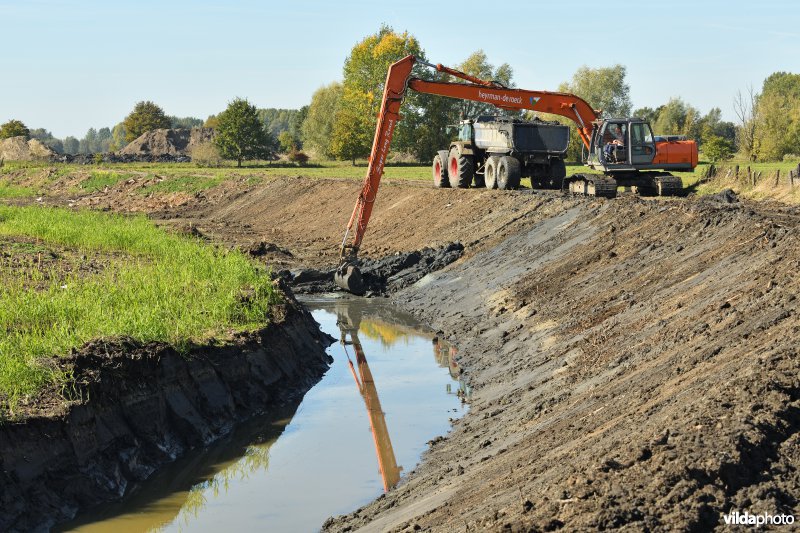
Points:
[[138, 407], [380, 276], [634, 365]]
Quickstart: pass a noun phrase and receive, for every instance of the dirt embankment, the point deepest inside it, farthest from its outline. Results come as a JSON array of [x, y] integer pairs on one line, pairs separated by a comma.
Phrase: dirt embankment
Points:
[[137, 407], [634, 364]]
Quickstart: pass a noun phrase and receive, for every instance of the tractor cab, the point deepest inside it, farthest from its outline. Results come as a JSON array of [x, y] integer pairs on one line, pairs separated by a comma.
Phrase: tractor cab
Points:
[[621, 145]]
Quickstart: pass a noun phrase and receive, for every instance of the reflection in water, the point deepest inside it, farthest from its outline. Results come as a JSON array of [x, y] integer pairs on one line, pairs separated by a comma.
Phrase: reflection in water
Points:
[[387, 464], [290, 472]]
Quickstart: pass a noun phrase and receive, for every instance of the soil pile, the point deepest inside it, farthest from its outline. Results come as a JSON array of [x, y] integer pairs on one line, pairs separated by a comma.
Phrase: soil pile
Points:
[[22, 149], [167, 142]]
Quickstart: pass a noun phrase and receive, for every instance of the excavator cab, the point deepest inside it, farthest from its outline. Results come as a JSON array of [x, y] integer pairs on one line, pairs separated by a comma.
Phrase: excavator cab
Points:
[[621, 145]]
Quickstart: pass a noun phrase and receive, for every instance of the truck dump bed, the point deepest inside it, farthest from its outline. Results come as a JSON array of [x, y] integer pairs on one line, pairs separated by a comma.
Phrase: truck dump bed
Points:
[[500, 134]]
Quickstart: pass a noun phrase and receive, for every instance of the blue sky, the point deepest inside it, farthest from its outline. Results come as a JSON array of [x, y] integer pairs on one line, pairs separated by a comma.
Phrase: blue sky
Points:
[[69, 65]]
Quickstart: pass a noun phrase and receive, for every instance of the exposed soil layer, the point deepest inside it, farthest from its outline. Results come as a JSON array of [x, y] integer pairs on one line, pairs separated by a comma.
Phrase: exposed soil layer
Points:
[[137, 407], [634, 364], [633, 361]]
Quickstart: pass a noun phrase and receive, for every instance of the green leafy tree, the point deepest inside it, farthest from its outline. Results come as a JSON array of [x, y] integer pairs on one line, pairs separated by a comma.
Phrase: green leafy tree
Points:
[[715, 148], [211, 122], [676, 118], [603, 88], [71, 145], [14, 128], [647, 113], [118, 141], [287, 142], [317, 127], [353, 129], [146, 116], [477, 64], [777, 113], [184, 122], [241, 134], [364, 77], [296, 124]]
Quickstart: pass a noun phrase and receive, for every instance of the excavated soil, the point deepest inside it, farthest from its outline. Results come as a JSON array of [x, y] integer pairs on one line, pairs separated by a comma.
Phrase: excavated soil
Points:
[[633, 361]]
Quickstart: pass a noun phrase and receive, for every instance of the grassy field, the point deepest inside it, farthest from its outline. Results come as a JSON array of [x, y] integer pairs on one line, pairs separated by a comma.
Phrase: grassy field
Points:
[[68, 277], [29, 179]]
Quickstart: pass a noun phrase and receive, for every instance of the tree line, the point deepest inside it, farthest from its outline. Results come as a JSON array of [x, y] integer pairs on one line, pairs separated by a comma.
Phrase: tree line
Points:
[[339, 121]]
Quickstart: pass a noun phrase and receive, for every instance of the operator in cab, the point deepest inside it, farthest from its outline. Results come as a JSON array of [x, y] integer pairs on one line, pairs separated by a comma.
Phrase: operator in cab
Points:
[[614, 136]]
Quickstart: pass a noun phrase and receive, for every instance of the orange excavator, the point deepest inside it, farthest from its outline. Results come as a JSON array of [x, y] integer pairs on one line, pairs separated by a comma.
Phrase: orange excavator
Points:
[[624, 149]]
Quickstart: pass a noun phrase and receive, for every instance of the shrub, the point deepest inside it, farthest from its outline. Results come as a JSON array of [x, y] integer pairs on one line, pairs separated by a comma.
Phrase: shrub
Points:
[[298, 156], [206, 155], [791, 157]]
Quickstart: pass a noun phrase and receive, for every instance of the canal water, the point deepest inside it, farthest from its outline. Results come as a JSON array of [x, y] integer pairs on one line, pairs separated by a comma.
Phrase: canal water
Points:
[[392, 387]]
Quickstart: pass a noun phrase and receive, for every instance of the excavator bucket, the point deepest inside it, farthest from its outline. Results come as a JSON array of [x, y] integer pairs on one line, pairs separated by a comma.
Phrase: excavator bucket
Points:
[[348, 278]]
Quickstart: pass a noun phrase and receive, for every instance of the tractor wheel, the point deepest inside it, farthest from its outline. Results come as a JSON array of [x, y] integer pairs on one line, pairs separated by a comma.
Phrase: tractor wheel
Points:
[[490, 174], [509, 173], [440, 172], [558, 171], [459, 169]]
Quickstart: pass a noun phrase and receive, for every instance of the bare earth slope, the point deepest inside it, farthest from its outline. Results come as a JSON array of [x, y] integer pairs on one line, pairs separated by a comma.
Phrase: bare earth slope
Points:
[[634, 363]]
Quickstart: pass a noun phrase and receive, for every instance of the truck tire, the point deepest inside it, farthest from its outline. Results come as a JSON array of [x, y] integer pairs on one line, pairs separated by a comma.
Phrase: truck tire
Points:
[[509, 173], [459, 169], [439, 170], [490, 174], [558, 171]]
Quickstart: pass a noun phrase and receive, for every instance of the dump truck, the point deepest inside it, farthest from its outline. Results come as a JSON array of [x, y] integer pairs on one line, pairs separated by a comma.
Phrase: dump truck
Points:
[[496, 151]]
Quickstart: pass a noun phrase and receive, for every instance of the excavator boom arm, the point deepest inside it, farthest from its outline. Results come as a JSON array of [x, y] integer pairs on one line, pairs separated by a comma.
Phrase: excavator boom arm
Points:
[[398, 79]]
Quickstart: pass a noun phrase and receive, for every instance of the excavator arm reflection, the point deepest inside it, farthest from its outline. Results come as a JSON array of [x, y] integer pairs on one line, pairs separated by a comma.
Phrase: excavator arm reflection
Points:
[[387, 463]]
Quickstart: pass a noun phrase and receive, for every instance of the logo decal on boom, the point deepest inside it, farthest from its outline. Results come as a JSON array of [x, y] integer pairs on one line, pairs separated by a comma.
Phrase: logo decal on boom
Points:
[[534, 100]]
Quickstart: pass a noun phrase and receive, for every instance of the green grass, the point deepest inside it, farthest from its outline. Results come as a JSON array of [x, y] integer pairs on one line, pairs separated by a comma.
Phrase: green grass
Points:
[[100, 179], [189, 183], [9, 190], [156, 287]]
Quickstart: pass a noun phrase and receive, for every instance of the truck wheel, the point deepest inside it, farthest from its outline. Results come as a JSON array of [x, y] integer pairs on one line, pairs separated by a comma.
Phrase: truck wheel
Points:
[[440, 172], [509, 173], [490, 173], [459, 169], [558, 171]]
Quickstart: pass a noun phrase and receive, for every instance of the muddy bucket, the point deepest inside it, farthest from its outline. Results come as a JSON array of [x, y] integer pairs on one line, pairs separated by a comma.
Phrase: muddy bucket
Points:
[[348, 278]]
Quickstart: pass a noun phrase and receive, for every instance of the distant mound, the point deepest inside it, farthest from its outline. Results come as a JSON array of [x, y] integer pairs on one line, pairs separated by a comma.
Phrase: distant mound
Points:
[[22, 149], [166, 142]]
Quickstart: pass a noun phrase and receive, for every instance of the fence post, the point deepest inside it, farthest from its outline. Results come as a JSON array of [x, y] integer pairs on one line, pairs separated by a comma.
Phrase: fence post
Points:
[[777, 177]]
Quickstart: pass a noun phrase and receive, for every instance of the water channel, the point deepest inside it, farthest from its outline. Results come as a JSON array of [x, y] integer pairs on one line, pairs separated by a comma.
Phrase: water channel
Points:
[[391, 388]]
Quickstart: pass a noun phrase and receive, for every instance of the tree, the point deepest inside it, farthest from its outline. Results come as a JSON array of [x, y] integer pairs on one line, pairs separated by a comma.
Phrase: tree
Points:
[[317, 128], [211, 122], [715, 148], [14, 128], [241, 134], [647, 113], [295, 125], [777, 113], [746, 130], [118, 141], [603, 88], [287, 142], [71, 145], [362, 92], [477, 64], [146, 116], [353, 129], [677, 118], [184, 122]]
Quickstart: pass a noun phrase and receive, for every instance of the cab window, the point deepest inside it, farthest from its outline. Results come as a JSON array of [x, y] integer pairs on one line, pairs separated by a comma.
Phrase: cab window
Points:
[[641, 138], [465, 132]]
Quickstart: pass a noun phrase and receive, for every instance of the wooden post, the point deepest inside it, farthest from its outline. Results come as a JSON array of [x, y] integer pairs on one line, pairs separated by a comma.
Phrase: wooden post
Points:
[[777, 177]]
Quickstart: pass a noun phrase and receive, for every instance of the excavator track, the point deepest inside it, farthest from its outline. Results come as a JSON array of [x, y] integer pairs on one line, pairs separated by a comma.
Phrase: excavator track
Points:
[[592, 185], [668, 185]]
